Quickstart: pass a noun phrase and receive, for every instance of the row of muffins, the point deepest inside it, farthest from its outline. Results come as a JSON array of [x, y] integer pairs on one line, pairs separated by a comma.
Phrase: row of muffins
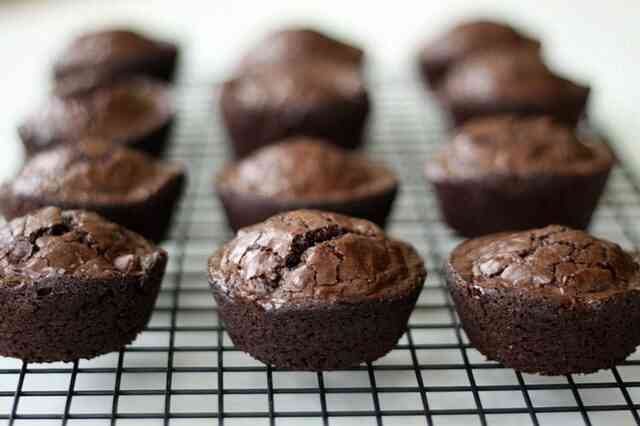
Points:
[[312, 290], [74, 283], [341, 284], [299, 82], [93, 143]]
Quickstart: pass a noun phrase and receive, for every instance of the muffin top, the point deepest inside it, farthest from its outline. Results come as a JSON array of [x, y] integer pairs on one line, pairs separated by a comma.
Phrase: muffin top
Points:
[[308, 257], [120, 112], [299, 44], [299, 88], [472, 37], [554, 259], [518, 146], [107, 47], [93, 172], [511, 76], [54, 243], [306, 169]]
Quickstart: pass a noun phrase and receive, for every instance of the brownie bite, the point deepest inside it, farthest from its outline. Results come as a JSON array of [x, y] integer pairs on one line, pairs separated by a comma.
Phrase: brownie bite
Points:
[[123, 185], [549, 301], [73, 285], [310, 290], [318, 98], [294, 45], [305, 173], [514, 81], [509, 173], [115, 53], [138, 113], [440, 54]]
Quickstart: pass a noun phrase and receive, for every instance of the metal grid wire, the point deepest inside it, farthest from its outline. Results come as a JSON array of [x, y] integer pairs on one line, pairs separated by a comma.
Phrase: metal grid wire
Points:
[[184, 370]]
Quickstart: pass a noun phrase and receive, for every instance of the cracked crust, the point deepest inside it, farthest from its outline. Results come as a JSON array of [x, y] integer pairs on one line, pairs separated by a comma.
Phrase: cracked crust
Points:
[[557, 259], [549, 301], [51, 242], [307, 257], [73, 285], [330, 173], [315, 291], [513, 146]]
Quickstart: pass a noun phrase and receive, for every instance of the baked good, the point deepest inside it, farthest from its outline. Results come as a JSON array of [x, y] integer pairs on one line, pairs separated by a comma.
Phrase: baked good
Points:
[[305, 173], [440, 54], [551, 301], [322, 99], [507, 173], [311, 290], [115, 53], [515, 81], [293, 45], [123, 185], [138, 113], [73, 285]]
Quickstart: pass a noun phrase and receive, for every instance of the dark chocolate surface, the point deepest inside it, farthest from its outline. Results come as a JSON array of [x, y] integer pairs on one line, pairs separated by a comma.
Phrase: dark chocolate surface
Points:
[[122, 112], [296, 88], [468, 38], [556, 259], [300, 44], [509, 77], [105, 48], [309, 257], [51, 242], [306, 169], [512, 146], [93, 172]]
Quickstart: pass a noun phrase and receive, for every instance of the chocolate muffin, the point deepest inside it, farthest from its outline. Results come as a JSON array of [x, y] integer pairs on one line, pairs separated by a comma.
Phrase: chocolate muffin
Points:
[[549, 301], [509, 173], [305, 173], [439, 55], [115, 53], [73, 285], [318, 98], [514, 81], [123, 185], [138, 113], [309, 290], [293, 45]]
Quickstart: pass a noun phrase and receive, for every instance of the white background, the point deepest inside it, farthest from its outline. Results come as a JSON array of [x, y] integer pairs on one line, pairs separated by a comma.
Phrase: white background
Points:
[[593, 41]]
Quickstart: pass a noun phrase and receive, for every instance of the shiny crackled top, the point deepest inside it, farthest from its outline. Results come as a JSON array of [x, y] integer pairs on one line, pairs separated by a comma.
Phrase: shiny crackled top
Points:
[[51, 242], [307, 257], [553, 259]]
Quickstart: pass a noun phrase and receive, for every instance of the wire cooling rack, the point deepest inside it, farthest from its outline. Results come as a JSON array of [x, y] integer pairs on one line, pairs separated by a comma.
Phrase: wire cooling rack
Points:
[[184, 370]]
